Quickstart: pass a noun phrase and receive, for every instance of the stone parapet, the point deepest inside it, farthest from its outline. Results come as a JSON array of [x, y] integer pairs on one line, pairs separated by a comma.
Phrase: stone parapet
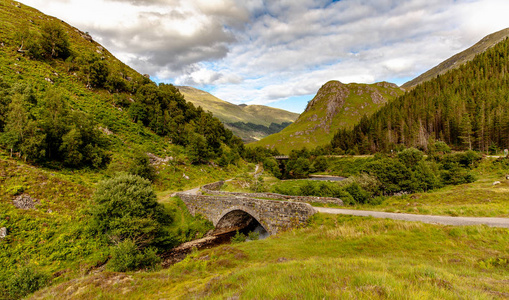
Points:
[[213, 189], [274, 216]]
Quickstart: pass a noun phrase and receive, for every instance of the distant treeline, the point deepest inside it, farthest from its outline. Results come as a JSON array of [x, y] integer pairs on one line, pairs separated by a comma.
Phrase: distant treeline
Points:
[[468, 108]]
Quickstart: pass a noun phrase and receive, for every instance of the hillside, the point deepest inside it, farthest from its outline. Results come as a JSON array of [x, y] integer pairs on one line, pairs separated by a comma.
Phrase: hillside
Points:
[[249, 122], [336, 257], [467, 108], [459, 59], [46, 64], [72, 115], [336, 105]]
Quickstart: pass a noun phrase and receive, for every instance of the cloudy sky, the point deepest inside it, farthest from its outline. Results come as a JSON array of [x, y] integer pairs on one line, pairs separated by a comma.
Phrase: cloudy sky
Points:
[[279, 53]]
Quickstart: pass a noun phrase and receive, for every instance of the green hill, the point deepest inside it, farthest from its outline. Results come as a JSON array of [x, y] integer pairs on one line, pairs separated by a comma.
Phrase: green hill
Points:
[[467, 108], [336, 105], [48, 65], [459, 59], [249, 122], [71, 115]]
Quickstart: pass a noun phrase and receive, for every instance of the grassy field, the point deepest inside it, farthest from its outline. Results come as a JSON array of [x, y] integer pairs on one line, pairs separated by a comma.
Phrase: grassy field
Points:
[[478, 199], [334, 257]]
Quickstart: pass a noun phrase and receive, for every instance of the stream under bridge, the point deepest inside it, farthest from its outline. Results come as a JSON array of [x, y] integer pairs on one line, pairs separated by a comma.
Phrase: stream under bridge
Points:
[[230, 213]]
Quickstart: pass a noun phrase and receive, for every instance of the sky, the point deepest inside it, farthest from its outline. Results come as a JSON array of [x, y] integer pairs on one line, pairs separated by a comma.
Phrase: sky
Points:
[[279, 53]]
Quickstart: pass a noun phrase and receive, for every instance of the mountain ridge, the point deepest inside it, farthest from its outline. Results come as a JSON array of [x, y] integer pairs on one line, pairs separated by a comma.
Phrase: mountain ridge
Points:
[[249, 122], [335, 105], [459, 59]]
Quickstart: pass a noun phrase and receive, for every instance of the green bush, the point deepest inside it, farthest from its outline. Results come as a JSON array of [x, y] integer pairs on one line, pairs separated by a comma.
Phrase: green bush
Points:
[[239, 237], [24, 281], [126, 256], [253, 236], [358, 193], [126, 207], [141, 166], [410, 157]]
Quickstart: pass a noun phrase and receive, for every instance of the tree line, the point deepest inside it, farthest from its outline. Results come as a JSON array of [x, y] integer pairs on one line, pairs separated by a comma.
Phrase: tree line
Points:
[[38, 123], [468, 108]]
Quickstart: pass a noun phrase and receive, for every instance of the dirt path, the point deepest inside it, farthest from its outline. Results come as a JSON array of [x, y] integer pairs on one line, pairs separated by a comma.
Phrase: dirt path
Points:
[[446, 220]]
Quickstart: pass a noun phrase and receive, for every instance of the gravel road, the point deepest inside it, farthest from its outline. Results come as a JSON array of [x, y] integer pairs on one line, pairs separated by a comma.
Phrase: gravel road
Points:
[[457, 221]]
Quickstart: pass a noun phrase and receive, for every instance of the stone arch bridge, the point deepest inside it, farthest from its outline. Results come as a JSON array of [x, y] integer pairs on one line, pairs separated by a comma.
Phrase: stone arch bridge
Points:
[[230, 213]]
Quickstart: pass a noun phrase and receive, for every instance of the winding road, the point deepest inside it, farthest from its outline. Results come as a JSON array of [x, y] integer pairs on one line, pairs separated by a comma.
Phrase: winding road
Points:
[[432, 219]]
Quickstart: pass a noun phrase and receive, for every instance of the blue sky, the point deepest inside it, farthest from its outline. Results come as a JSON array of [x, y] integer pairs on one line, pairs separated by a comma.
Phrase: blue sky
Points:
[[279, 53]]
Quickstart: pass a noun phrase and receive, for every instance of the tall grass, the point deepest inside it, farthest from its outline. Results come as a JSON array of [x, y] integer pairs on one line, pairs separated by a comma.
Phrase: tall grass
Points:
[[335, 257]]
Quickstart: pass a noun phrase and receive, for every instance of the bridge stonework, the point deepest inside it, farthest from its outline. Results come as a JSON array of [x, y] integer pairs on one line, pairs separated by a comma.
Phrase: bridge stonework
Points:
[[275, 216]]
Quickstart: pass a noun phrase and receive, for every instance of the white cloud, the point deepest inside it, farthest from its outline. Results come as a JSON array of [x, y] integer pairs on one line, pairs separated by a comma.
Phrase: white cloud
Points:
[[257, 51]]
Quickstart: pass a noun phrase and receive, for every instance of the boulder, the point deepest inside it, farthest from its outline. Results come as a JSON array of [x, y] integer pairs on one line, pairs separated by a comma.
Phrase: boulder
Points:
[[3, 232], [24, 201]]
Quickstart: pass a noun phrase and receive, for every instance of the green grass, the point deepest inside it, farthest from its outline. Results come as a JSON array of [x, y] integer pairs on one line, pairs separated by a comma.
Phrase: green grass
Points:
[[477, 199], [335, 257], [231, 113]]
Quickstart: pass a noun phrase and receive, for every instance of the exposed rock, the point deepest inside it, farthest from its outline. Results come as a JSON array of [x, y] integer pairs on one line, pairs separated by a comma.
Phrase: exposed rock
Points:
[[105, 130], [387, 85], [3, 232], [156, 160], [496, 182], [185, 176], [48, 80], [24, 201], [87, 37]]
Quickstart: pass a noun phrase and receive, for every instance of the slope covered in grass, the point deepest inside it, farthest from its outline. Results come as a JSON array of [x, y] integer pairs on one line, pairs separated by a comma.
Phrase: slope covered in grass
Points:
[[335, 106], [250, 122], [335, 257]]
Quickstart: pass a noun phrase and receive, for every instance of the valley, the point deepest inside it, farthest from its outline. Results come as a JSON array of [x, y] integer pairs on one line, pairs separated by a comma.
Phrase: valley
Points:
[[94, 157], [249, 122]]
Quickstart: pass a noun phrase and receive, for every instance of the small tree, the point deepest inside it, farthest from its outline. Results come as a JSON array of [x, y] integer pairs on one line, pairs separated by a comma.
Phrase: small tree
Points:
[[126, 207], [199, 151], [141, 166], [410, 157], [54, 41]]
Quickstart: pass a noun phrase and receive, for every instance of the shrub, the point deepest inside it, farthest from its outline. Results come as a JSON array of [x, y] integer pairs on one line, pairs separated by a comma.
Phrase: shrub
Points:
[[239, 237], [24, 281], [410, 157], [319, 164], [253, 236], [141, 166], [126, 256], [358, 193], [53, 42], [125, 207]]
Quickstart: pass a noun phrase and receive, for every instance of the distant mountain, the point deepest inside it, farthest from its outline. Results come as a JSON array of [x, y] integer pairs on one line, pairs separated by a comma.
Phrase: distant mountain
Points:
[[249, 122], [336, 105], [459, 59], [467, 108]]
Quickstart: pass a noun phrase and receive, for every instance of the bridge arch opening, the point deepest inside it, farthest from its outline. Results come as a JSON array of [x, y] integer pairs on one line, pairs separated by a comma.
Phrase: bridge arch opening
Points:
[[242, 221]]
